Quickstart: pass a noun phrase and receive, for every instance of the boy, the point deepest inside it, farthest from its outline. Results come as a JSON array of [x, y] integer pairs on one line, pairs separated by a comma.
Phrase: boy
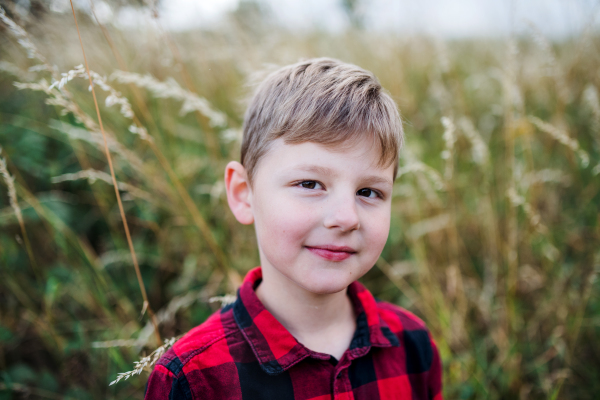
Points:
[[319, 158]]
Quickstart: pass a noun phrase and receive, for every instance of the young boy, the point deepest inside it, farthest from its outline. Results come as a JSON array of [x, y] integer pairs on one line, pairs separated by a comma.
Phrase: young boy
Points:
[[319, 158]]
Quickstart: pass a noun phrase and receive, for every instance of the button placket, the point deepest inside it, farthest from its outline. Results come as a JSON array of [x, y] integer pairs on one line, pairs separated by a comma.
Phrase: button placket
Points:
[[341, 385]]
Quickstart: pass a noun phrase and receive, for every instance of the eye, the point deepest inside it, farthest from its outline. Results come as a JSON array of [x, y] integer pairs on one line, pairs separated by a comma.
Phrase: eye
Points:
[[310, 185], [365, 192]]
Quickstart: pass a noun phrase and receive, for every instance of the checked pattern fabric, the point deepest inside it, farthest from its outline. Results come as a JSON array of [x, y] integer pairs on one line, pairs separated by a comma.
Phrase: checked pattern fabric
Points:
[[243, 353]]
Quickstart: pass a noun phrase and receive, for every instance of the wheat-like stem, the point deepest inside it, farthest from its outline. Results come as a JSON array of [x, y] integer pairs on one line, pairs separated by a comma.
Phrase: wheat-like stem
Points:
[[479, 150], [590, 97], [563, 137], [171, 89], [532, 215], [211, 142], [114, 97], [116, 187], [147, 361], [15, 71], [12, 198], [224, 300], [22, 38], [450, 140], [429, 172], [93, 175], [107, 344]]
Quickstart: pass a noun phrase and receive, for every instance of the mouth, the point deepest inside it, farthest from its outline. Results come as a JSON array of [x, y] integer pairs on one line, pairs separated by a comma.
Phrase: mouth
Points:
[[332, 253]]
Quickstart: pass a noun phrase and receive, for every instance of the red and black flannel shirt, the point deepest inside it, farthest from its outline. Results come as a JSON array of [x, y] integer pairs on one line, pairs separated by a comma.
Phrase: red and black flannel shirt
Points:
[[242, 352]]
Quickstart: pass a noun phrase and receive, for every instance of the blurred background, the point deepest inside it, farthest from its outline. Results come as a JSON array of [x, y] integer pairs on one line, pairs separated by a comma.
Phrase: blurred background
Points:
[[495, 238]]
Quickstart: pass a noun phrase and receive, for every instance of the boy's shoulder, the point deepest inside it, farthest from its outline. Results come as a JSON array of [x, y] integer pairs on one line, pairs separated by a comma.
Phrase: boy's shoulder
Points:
[[203, 345], [393, 315], [410, 330]]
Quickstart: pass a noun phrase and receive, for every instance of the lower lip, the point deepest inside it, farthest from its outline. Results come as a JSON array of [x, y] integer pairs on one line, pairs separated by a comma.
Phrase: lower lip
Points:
[[330, 255]]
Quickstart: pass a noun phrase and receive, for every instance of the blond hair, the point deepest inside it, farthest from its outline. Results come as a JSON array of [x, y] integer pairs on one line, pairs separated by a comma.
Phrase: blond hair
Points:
[[324, 101]]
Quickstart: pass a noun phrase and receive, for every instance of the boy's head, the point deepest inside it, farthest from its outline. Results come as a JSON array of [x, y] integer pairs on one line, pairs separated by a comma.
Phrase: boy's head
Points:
[[323, 101], [319, 159]]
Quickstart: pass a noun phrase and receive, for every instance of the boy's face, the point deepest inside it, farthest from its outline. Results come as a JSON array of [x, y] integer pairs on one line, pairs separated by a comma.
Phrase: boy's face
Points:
[[322, 216]]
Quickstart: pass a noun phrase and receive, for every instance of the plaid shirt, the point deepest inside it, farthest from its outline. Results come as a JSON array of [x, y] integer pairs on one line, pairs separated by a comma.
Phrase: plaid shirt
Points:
[[242, 352]]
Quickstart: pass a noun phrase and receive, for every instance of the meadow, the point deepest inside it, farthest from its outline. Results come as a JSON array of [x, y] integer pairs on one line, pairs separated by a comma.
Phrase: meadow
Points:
[[495, 238]]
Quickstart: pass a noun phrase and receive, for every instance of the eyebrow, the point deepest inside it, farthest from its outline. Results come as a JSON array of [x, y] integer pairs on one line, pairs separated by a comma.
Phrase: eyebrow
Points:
[[316, 169], [330, 172]]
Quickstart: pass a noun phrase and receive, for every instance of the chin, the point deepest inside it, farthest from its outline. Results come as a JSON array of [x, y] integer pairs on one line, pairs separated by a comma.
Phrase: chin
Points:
[[326, 285], [326, 290]]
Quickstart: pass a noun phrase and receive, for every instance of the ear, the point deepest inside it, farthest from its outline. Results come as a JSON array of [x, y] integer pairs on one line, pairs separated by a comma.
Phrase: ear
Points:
[[238, 192]]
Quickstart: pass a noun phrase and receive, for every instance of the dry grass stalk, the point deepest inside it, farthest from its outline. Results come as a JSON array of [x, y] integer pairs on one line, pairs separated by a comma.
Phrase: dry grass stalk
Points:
[[428, 225], [430, 173], [211, 142], [93, 175], [167, 314], [449, 139], [95, 138], [116, 187], [15, 71], [62, 99], [118, 343], [113, 98], [10, 184], [22, 37], [171, 89], [224, 300], [141, 132], [479, 150], [146, 362], [590, 97], [563, 137], [12, 198], [544, 176], [534, 218]]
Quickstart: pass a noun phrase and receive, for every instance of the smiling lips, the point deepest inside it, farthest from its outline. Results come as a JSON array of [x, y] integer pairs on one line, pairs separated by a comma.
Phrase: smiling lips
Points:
[[332, 253]]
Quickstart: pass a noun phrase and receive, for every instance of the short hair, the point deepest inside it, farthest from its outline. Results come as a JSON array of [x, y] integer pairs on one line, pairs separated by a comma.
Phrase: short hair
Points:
[[324, 101]]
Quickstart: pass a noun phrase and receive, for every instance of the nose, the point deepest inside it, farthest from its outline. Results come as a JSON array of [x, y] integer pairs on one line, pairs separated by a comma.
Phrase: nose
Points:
[[342, 214]]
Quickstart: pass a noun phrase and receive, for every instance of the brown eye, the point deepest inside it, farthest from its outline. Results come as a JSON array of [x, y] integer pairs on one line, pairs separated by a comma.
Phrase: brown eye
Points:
[[308, 184], [366, 193]]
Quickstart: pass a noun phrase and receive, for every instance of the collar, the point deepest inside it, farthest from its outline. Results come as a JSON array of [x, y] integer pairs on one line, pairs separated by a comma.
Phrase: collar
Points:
[[277, 350]]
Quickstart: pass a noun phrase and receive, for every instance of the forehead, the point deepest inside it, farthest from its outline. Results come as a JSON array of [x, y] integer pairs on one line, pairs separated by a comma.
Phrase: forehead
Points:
[[356, 156]]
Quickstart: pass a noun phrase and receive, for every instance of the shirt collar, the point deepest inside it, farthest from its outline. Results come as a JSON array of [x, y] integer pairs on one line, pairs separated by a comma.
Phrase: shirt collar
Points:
[[277, 350]]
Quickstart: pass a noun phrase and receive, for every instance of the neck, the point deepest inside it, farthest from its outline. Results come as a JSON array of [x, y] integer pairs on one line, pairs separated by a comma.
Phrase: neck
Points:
[[313, 319]]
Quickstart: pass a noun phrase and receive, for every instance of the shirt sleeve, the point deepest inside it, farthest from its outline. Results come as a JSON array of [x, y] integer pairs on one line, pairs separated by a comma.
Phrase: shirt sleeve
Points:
[[435, 374], [160, 383]]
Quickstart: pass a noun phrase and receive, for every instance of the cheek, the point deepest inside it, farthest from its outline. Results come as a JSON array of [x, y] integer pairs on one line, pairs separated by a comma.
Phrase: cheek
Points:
[[378, 230], [283, 224]]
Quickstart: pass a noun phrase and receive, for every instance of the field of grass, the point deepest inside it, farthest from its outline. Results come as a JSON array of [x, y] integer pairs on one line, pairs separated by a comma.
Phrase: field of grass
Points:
[[495, 238]]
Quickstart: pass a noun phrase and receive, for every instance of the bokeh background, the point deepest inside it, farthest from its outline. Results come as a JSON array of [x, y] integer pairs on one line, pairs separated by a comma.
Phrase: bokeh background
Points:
[[495, 238]]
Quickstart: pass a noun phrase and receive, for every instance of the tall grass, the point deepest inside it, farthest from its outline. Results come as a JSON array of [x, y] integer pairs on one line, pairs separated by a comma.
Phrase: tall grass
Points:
[[495, 237]]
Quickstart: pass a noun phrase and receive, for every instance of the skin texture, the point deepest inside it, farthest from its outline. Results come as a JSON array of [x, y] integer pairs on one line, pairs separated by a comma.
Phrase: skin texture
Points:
[[322, 218]]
